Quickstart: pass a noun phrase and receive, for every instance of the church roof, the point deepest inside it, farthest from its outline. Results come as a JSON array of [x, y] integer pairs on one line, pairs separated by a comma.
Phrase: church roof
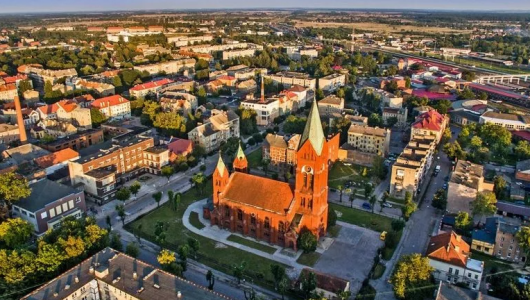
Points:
[[221, 165], [240, 153], [259, 192], [313, 130]]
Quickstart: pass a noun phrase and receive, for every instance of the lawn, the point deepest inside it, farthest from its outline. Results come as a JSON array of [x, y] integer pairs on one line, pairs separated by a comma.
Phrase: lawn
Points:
[[490, 262], [308, 259], [254, 158], [194, 220], [362, 218], [379, 270], [396, 200], [258, 246], [340, 173], [213, 254]]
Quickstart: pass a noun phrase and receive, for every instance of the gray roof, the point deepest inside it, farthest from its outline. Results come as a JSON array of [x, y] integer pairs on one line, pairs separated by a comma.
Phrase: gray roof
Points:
[[44, 192], [523, 165], [519, 210], [448, 291], [26, 153], [313, 130]]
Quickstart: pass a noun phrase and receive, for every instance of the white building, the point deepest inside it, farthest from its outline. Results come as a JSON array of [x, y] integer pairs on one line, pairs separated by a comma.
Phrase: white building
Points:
[[113, 107], [508, 121], [332, 82]]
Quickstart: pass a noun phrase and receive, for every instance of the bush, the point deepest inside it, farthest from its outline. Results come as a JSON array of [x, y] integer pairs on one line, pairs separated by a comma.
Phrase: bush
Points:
[[392, 239], [257, 137], [397, 225], [307, 242], [251, 142], [332, 217], [202, 168]]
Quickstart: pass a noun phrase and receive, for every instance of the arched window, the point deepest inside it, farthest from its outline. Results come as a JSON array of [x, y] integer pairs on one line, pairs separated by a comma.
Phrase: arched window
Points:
[[253, 219], [240, 215], [281, 227], [267, 224], [310, 204]]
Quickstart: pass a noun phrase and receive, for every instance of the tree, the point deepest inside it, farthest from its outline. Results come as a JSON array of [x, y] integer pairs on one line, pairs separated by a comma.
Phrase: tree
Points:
[[408, 209], [123, 194], [484, 204], [454, 151], [160, 232], [183, 251], [352, 197], [319, 94], [15, 232], [440, 199], [341, 190], [135, 188], [411, 277], [332, 217], [283, 285], [194, 246], [167, 171], [309, 284], [278, 273], [211, 279], [13, 187], [446, 136], [462, 221], [397, 225], [97, 117], [120, 209], [115, 242], [199, 180], [48, 89], [265, 165], [375, 120], [116, 82], [238, 271], [522, 150], [307, 242], [372, 201], [132, 250], [468, 75], [109, 222], [157, 196], [368, 190], [166, 258], [24, 85], [500, 187], [523, 238], [378, 167], [248, 123]]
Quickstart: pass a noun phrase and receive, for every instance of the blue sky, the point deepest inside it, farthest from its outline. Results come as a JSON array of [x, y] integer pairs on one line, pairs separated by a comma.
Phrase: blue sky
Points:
[[9, 6]]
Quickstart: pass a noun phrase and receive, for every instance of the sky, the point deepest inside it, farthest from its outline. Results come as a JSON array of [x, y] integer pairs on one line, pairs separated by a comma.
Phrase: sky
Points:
[[10, 6]]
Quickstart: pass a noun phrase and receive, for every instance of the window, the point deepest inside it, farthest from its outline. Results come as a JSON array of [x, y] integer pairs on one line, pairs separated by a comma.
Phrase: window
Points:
[[65, 207], [456, 272], [71, 204], [474, 285], [253, 219], [31, 215], [52, 212], [43, 215], [240, 215], [450, 271], [58, 209], [476, 276], [469, 275], [281, 227], [267, 223], [499, 252]]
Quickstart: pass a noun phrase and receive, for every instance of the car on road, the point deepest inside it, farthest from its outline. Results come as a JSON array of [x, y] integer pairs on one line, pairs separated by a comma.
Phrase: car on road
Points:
[[386, 204], [367, 206], [445, 186], [446, 178], [383, 236]]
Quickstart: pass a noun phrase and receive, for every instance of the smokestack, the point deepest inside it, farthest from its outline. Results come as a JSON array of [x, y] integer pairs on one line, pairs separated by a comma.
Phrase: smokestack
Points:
[[20, 122], [262, 99]]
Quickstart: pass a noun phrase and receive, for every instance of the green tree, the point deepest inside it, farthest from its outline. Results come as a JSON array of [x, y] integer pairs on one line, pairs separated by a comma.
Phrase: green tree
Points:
[[454, 150], [194, 246], [15, 232], [411, 277], [319, 94], [135, 188], [372, 200], [352, 197], [116, 82], [341, 190], [13, 187], [199, 180], [378, 167], [157, 196], [368, 190], [278, 273], [522, 150], [484, 204], [201, 96], [123, 194], [48, 89], [211, 279], [523, 238], [332, 217], [24, 85], [132, 250], [167, 171], [309, 285], [397, 225], [462, 221], [408, 209], [440, 200], [283, 286], [238, 271], [375, 120], [500, 187], [115, 242], [120, 209], [97, 117], [307, 242]]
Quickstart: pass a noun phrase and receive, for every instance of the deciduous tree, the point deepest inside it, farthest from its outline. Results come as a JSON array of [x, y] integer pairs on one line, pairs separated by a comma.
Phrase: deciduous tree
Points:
[[410, 276]]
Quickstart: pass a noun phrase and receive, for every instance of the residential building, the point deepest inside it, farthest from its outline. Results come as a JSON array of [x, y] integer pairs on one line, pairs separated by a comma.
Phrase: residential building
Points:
[[449, 255], [357, 120], [248, 73], [368, 139], [267, 109], [447, 291], [464, 117], [429, 123], [40, 76], [231, 54], [508, 121], [467, 179], [21, 160], [57, 160], [522, 170], [77, 141], [389, 99], [208, 49], [168, 67], [399, 113], [8, 92], [327, 286], [155, 158], [241, 201], [332, 82], [151, 87], [48, 204], [9, 133], [506, 245], [113, 107], [100, 88], [179, 147], [182, 41], [218, 128], [183, 103], [247, 86], [281, 150], [331, 105], [54, 128], [288, 79], [110, 274], [116, 161]]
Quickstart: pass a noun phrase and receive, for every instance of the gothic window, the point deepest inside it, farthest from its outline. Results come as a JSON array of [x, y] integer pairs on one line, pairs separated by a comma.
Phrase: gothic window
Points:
[[303, 202], [240, 215], [253, 219], [281, 227], [310, 181], [310, 205], [267, 224], [305, 179]]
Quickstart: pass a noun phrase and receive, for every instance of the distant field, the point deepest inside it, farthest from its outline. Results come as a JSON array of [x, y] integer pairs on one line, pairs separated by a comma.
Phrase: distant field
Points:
[[372, 26]]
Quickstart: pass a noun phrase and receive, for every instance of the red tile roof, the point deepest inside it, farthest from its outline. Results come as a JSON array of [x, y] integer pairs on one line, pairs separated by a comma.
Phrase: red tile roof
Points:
[[56, 158], [450, 248], [67, 105], [226, 78], [109, 101], [48, 109], [14, 79], [525, 135], [7, 87], [431, 120], [264, 193], [180, 146], [151, 84]]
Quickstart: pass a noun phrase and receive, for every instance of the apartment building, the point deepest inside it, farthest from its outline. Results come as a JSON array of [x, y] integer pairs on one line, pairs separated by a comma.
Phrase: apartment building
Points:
[[332, 82], [110, 274], [8, 92], [267, 109], [411, 166], [169, 67], [231, 54], [155, 158], [181, 41], [218, 128], [296, 53], [151, 87], [450, 256], [183, 103], [8, 134], [429, 123], [209, 49], [114, 107], [100, 88], [368, 139], [498, 238], [399, 113], [467, 179], [77, 141], [48, 204], [248, 73], [40, 76], [331, 105], [113, 162], [281, 150], [288, 79], [389, 99]]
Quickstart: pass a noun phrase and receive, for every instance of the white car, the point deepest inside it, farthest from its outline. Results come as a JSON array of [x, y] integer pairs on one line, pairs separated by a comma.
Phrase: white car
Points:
[[387, 205]]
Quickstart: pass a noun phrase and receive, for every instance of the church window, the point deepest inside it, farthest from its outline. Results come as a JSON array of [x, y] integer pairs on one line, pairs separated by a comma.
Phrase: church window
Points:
[[267, 224], [303, 202], [310, 205], [253, 219], [281, 227], [310, 181], [240, 215], [305, 179]]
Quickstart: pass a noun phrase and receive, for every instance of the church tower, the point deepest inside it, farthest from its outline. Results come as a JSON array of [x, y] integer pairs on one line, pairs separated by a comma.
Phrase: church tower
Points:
[[311, 189], [240, 161], [220, 179]]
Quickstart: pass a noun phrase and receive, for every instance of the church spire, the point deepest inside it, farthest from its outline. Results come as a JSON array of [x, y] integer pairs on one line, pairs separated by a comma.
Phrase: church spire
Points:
[[313, 130], [240, 161], [221, 165]]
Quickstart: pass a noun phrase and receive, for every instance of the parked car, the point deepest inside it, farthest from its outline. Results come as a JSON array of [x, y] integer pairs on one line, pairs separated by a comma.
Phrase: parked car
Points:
[[383, 236], [367, 205], [386, 204]]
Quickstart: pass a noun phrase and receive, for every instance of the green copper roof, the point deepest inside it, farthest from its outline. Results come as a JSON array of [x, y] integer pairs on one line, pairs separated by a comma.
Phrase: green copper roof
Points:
[[313, 130], [221, 165], [240, 153]]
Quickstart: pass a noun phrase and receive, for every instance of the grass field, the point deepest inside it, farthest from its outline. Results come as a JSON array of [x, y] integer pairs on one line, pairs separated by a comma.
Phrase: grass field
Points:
[[308, 259], [255, 158], [194, 220], [213, 254], [340, 173], [362, 218], [243, 241]]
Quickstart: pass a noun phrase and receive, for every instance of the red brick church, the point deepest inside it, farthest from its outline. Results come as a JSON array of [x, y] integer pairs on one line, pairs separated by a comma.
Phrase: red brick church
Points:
[[271, 210]]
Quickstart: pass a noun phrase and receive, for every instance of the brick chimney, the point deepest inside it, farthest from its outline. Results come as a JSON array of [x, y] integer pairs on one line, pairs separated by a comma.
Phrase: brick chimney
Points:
[[20, 122], [262, 99]]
